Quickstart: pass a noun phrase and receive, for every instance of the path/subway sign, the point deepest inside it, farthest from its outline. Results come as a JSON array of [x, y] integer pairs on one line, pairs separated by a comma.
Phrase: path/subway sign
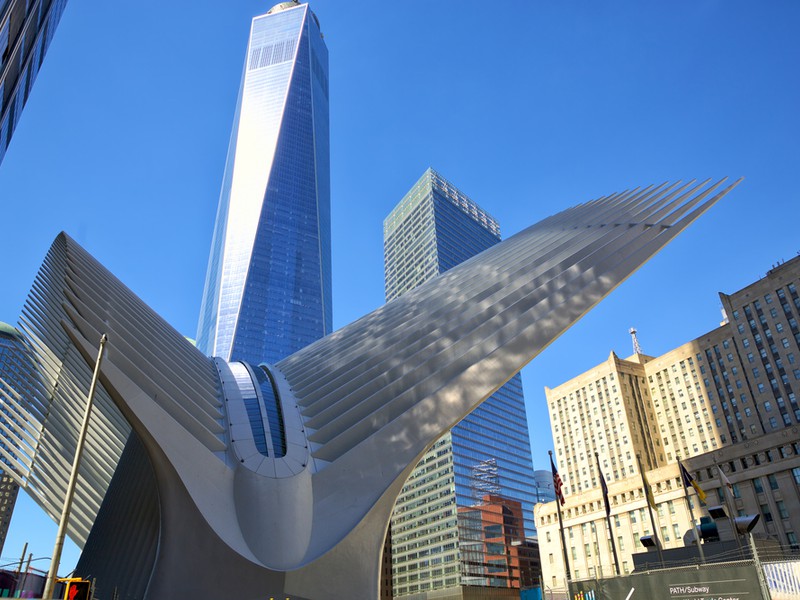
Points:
[[708, 582]]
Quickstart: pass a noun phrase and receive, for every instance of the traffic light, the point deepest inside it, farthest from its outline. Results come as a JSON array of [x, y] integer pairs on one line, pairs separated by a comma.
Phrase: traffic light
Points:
[[708, 530], [77, 589], [745, 523]]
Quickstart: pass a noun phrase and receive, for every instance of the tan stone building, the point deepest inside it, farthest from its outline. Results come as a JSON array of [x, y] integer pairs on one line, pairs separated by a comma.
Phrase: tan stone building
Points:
[[727, 398]]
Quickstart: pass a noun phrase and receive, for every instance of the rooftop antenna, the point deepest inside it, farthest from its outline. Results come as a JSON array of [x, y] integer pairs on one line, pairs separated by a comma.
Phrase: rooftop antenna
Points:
[[637, 349]]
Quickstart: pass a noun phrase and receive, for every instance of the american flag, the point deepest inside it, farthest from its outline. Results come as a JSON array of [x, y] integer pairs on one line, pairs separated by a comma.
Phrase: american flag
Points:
[[557, 483], [604, 487]]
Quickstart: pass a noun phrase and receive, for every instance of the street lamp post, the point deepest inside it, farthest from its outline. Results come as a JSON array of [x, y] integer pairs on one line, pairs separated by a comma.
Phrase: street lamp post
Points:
[[52, 574], [21, 584]]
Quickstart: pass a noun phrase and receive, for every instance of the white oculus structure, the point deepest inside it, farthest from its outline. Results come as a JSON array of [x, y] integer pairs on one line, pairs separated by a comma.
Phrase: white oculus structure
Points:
[[296, 501]]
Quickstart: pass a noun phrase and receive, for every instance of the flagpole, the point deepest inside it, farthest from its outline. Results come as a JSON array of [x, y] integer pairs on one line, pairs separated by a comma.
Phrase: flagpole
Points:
[[694, 526], [650, 501], [561, 524], [52, 574], [724, 483], [604, 485], [598, 560], [697, 539]]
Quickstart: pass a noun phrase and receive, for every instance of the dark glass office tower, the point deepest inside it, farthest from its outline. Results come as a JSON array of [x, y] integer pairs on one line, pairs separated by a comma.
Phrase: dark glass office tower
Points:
[[467, 508], [268, 285], [26, 28]]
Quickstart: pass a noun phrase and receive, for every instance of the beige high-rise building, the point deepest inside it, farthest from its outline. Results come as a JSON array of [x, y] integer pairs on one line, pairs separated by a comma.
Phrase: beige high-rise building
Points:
[[605, 410], [724, 400]]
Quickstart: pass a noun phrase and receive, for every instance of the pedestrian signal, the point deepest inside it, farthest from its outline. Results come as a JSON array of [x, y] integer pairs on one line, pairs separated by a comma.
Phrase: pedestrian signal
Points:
[[77, 589]]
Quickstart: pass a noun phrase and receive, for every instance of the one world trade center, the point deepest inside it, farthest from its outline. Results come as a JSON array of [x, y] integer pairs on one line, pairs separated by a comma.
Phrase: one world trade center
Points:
[[268, 285]]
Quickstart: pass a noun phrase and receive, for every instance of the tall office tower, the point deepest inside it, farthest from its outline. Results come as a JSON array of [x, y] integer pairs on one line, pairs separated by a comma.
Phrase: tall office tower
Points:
[[725, 400], [15, 379], [26, 28], [268, 285], [543, 486], [766, 337], [608, 404], [446, 529]]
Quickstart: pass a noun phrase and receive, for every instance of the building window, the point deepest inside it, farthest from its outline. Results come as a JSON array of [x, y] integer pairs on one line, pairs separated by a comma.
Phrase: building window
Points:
[[766, 513], [757, 485], [773, 482], [790, 535], [784, 514]]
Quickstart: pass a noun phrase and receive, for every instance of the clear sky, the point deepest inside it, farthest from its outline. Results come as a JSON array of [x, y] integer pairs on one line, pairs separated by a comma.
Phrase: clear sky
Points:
[[528, 107]]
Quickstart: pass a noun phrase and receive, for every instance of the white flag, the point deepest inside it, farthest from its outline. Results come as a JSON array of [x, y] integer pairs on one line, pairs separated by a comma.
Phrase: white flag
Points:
[[725, 479]]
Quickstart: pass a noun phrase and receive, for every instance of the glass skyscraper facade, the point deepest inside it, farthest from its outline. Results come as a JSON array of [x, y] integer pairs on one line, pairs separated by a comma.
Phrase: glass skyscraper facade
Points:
[[16, 378], [467, 508], [26, 29], [268, 285]]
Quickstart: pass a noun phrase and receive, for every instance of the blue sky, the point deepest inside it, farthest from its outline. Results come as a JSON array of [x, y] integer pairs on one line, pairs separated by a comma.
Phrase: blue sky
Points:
[[528, 107]]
